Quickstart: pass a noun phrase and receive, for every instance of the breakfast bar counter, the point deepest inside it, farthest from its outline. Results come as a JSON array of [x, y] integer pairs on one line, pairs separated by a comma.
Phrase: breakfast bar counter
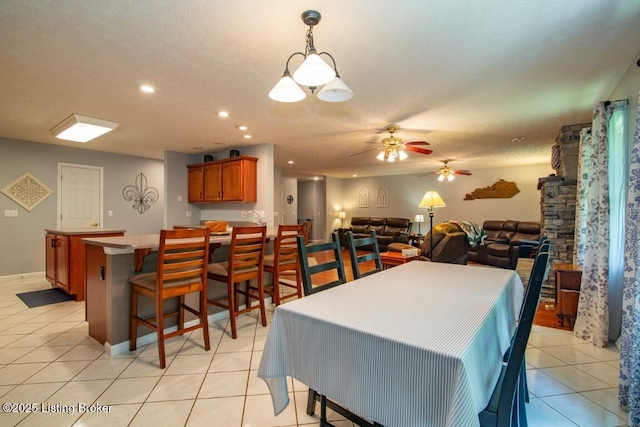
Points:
[[110, 262]]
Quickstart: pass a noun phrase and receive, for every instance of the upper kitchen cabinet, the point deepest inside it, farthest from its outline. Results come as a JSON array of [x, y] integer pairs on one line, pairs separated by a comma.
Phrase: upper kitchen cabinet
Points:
[[227, 180]]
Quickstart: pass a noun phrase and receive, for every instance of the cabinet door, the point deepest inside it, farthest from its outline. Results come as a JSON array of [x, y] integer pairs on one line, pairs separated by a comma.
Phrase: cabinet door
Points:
[[196, 184], [50, 256], [62, 262], [232, 181], [213, 183]]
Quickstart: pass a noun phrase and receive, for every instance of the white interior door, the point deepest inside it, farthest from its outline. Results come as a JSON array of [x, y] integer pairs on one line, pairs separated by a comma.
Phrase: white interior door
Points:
[[79, 196]]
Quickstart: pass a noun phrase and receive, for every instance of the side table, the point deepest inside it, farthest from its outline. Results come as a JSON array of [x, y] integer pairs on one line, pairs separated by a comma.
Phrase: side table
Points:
[[390, 259], [415, 239], [568, 279]]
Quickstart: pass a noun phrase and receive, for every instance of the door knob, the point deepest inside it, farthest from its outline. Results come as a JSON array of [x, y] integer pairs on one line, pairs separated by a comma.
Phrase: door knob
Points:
[[95, 224]]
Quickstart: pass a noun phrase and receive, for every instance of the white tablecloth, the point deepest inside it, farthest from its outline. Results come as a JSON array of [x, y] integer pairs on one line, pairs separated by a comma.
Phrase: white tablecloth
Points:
[[420, 344]]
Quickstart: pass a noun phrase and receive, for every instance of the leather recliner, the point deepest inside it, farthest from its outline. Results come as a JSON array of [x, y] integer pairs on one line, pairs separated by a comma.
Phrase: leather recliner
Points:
[[506, 241], [450, 245]]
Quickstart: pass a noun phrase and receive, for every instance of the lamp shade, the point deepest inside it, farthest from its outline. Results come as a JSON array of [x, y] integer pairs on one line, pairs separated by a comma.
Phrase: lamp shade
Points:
[[314, 71], [418, 218], [79, 128], [286, 90], [342, 214], [431, 199], [335, 91]]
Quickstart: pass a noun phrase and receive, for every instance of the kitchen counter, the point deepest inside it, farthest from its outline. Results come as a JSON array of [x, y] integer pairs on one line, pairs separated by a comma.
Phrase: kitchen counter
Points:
[[80, 231]]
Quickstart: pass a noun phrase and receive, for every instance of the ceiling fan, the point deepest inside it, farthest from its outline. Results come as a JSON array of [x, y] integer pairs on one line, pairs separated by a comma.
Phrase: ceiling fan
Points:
[[446, 172], [393, 148]]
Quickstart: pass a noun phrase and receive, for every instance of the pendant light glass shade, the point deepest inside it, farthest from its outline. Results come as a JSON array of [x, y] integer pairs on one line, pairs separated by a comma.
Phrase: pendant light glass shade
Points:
[[314, 72], [335, 91], [286, 90], [403, 155]]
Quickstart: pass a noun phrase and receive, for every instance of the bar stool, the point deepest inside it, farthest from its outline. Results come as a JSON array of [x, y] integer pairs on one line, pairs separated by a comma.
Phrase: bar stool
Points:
[[182, 267], [246, 262], [284, 259]]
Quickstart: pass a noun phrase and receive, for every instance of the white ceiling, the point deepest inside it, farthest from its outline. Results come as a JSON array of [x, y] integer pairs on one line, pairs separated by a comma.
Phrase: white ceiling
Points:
[[465, 75]]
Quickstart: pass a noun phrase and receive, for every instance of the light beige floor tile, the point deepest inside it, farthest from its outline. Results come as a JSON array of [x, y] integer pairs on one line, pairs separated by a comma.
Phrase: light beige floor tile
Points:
[[243, 329], [17, 374], [219, 412], [196, 346], [255, 359], [58, 371], [154, 414], [582, 411], [49, 317], [8, 339], [124, 354], [575, 378], [539, 414], [4, 389], [16, 319], [69, 338], [35, 393], [23, 328], [224, 384], [258, 343], [172, 347], [118, 416], [539, 359], [301, 409], [4, 327], [44, 354], [129, 390], [568, 354], [601, 354], [563, 336], [80, 391], [75, 317], [176, 387], [229, 345], [608, 399], [190, 364], [258, 411], [540, 340], [83, 352], [145, 367], [9, 355], [103, 369], [541, 384], [614, 363], [224, 362], [57, 327], [256, 385], [602, 371], [12, 418]]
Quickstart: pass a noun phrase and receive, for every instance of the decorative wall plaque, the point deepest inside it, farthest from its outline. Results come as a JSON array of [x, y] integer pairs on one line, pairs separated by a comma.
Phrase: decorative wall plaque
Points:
[[382, 198], [27, 191], [363, 198], [500, 190], [141, 194]]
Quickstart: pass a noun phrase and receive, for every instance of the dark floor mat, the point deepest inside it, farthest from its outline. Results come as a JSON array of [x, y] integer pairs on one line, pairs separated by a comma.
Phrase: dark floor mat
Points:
[[45, 297]]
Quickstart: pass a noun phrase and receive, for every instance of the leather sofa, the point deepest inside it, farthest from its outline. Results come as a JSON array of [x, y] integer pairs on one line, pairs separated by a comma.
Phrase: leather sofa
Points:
[[450, 245], [506, 241], [388, 230]]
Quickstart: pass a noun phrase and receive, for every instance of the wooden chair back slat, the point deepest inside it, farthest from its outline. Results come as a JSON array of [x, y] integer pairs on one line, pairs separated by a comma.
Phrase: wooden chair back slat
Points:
[[357, 260], [333, 264]]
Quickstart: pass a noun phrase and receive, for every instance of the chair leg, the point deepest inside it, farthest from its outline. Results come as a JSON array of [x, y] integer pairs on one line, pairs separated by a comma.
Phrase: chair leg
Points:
[[233, 301], [204, 319], [299, 281], [276, 287], [181, 312], [160, 332], [523, 379], [323, 410], [311, 402], [263, 311], [133, 324]]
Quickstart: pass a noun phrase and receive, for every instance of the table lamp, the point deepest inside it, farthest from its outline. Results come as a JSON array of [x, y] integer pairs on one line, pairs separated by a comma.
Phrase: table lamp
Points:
[[342, 215], [419, 218], [431, 200]]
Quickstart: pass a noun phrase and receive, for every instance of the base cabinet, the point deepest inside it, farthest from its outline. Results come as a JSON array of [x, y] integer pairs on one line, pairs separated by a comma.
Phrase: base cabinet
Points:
[[65, 260], [568, 279], [228, 180]]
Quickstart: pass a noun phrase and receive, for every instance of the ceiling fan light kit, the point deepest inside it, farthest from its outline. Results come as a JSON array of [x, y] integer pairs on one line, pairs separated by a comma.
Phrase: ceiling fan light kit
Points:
[[313, 72]]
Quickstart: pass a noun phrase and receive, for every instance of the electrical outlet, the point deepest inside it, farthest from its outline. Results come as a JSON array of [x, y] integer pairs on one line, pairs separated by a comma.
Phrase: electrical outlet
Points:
[[110, 213], [11, 213], [179, 198], [261, 213], [188, 214]]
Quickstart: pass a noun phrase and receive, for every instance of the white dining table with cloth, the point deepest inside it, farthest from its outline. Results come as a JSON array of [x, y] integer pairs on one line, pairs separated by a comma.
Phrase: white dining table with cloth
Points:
[[419, 344]]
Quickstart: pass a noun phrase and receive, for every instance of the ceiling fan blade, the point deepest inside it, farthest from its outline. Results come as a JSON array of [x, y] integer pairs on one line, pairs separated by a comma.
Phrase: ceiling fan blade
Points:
[[417, 143], [365, 151], [462, 172], [427, 173], [418, 149]]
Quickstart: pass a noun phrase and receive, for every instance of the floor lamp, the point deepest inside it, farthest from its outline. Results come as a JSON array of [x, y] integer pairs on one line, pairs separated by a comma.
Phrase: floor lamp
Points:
[[431, 200]]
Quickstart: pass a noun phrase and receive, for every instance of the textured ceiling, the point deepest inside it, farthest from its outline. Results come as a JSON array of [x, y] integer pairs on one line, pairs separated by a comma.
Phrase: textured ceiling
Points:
[[466, 76]]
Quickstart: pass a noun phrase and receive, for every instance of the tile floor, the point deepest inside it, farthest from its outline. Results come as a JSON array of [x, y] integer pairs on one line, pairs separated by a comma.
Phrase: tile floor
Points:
[[48, 359]]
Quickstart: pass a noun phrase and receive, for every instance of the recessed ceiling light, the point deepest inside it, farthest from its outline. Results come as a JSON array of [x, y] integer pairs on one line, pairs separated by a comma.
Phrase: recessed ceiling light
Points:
[[247, 136], [354, 175], [147, 88], [315, 178], [290, 162], [196, 148], [517, 139], [242, 127], [79, 128], [223, 114]]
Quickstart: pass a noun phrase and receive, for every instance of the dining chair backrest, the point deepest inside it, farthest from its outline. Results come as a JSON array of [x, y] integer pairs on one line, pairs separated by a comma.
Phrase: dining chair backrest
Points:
[[285, 248], [246, 253], [334, 264], [499, 410], [371, 243], [182, 256]]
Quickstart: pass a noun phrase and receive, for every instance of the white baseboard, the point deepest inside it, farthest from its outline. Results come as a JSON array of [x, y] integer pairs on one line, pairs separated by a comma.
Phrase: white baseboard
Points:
[[36, 275]]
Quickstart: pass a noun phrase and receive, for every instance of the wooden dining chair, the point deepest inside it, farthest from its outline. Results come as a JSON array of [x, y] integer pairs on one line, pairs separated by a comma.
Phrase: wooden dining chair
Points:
[[506, 405], [246, 263], [330, 269], [371, 243], [284, 259], [182, 269]]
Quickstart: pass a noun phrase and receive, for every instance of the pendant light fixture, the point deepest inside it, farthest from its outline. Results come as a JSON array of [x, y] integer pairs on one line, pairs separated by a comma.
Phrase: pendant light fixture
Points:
[[313, 72]]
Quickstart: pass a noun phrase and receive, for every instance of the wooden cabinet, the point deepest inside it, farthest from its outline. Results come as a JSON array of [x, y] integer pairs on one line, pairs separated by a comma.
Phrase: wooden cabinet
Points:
[[228, 180], [568, 279], [65, 259]]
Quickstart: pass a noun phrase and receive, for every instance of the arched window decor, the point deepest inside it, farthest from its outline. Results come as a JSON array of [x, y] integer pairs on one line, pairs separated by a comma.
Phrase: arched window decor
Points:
[[382, 198], [363, 198]]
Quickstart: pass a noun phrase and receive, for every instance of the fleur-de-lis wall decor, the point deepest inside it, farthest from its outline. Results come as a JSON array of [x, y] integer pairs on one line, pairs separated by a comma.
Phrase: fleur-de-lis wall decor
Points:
[[141, 194]]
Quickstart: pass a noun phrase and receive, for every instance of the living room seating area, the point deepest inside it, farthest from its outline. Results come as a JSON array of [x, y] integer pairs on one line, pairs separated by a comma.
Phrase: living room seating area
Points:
[[388, 230], [506, 241]]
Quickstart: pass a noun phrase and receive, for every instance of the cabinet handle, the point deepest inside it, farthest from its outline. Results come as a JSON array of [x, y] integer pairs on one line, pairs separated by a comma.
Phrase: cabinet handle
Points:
[[95, 224], [53, 243], [101, 273], [201, 194]]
